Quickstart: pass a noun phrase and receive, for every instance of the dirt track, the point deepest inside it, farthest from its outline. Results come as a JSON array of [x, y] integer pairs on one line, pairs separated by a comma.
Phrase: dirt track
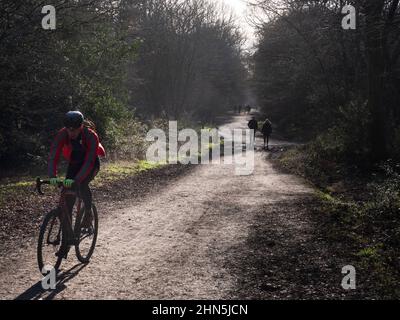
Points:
[[209, 235]]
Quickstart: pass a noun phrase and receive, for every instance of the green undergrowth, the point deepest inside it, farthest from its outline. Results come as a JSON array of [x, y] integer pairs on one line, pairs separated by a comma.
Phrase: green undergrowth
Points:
[[19, 186], [362, 211]]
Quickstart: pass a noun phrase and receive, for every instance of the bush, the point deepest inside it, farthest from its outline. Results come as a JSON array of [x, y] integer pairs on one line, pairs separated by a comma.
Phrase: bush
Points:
[[126, 139], [348, 140], [384, 206]]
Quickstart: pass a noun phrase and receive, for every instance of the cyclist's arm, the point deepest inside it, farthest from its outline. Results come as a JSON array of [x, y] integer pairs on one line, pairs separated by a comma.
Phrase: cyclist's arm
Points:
[[90, 157], [55, 151]]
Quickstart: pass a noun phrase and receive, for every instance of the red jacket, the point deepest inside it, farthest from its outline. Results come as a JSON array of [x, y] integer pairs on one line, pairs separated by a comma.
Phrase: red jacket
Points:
[[62, 143]]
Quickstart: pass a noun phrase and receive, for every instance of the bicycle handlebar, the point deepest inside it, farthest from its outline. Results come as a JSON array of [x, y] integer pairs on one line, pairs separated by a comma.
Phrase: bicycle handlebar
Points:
[[39, 183]]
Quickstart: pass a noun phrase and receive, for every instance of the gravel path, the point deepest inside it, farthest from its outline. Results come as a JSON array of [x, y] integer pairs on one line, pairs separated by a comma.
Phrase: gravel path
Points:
[[208, 235]]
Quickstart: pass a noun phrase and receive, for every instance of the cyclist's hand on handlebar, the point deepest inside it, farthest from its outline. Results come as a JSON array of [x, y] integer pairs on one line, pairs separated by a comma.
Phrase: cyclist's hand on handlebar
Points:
[[54, 182], [68, 183]]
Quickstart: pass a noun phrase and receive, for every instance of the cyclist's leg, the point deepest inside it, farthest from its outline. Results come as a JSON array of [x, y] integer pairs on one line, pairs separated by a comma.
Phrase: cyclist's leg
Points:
[[86, 193], [72, 171]]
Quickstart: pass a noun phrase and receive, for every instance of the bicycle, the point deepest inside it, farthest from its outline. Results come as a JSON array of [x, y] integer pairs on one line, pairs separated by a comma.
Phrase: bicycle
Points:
[[58, 232]]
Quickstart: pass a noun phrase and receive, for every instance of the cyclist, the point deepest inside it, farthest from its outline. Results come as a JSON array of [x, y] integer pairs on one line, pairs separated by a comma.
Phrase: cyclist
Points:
[[80, 146]]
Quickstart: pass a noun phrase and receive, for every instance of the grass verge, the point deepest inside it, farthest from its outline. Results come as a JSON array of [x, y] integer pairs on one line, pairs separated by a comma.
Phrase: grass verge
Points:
[[362, 210]]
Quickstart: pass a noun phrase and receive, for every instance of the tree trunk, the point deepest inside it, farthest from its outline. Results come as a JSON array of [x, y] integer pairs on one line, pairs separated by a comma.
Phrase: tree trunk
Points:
[[375, 60]]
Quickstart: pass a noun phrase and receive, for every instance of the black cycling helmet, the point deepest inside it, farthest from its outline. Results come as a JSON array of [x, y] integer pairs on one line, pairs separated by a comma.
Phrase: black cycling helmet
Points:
[[73, 119]]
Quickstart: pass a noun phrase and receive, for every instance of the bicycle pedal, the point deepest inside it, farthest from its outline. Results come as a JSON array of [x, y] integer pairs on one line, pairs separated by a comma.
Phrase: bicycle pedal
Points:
[[87, 231], [63, 254], [66, 252]]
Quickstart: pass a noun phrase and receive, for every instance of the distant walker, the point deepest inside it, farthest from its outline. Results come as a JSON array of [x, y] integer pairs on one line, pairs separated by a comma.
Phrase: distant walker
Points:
[[253, 125], [266, 131]]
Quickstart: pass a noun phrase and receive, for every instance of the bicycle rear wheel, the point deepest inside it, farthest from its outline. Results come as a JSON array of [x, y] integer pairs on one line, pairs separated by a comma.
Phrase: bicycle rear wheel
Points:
[[51, 242], [86, 228]]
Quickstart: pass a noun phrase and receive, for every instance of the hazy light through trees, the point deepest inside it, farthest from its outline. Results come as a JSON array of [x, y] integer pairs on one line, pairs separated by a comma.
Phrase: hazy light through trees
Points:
[[242, 13]]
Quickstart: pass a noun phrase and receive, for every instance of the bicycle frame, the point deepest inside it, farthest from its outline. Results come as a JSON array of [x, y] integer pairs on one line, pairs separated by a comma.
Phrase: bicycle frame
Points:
[[66, 216], [71, 234]]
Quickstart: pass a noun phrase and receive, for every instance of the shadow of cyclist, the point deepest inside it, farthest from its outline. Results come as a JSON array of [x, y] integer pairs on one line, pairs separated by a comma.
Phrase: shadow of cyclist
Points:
[[36, 292]]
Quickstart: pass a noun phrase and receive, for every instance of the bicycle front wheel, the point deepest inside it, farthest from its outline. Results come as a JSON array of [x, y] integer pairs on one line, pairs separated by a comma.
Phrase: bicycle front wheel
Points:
[[86, 228], [50, 243]]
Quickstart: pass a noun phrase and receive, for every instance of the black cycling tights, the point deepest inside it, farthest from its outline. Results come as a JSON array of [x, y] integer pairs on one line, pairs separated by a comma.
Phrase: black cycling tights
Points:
[[84, 190]]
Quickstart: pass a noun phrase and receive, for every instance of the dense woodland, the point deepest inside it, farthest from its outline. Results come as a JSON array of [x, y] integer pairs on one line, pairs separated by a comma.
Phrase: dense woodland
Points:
[[127, 65], [316, 78]]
